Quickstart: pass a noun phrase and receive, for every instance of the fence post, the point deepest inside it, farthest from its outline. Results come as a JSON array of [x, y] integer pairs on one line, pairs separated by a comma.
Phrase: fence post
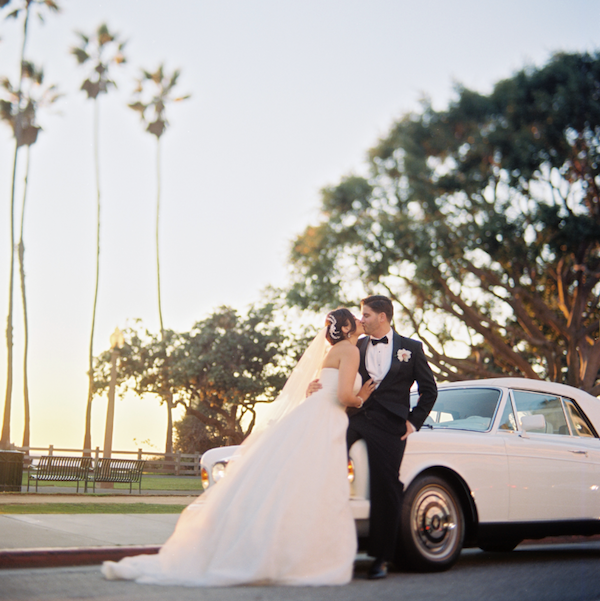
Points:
[[96, 454], [139, 454], [51, 450], [27, 457], [196, 464], [177, 462]]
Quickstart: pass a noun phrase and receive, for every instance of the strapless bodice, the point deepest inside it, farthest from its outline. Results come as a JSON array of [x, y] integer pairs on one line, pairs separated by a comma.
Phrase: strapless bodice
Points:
[[329, 377]]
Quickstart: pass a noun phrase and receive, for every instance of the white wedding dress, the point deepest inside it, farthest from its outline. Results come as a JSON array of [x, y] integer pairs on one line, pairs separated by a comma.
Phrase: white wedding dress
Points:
[[281, 514]]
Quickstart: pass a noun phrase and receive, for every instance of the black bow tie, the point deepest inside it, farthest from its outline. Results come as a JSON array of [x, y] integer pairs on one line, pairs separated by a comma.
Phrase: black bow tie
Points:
[[375, 341]]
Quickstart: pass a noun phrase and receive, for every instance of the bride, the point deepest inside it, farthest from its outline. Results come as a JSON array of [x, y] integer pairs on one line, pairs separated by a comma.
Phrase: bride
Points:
[[281, 514]]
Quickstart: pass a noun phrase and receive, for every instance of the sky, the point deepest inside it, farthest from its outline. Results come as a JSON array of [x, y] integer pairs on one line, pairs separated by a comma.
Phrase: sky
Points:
[[287, 96]]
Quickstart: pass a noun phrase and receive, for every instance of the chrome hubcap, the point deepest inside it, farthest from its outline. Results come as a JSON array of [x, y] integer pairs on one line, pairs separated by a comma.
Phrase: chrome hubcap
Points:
[[434, 522]]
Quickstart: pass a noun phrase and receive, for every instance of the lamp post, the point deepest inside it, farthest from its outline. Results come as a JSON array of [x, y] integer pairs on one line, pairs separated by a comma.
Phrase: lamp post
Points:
[[116, 343]]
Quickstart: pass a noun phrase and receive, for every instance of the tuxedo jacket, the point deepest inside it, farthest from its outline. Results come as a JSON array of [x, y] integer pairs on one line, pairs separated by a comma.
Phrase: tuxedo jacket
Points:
[[393, 393]]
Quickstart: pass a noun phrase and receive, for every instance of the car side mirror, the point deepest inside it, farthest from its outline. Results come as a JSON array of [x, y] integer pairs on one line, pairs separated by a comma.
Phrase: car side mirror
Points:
[[533, 422]]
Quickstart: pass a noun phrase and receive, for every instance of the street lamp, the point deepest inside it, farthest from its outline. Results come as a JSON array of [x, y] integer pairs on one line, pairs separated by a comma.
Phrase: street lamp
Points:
[[116, 343]]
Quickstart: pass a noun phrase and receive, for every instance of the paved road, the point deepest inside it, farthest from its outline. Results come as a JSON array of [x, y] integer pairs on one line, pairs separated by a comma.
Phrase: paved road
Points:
[[531, 573]]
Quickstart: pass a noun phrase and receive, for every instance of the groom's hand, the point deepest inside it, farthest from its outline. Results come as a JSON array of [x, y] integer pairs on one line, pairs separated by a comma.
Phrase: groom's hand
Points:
[[409, 430], [313, 387]]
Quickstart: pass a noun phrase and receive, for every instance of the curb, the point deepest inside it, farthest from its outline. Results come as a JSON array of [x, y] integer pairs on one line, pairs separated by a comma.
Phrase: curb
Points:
[[69, 556]]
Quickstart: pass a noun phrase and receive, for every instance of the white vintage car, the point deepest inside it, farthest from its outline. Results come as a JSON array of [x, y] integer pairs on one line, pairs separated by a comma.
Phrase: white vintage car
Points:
[[497, 461]]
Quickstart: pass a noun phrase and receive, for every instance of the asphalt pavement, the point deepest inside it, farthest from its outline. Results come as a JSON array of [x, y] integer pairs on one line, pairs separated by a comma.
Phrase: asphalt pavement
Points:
[[544, 573]]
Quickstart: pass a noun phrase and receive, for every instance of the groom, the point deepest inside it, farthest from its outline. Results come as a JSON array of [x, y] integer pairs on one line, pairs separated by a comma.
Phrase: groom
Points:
[[385, 420]]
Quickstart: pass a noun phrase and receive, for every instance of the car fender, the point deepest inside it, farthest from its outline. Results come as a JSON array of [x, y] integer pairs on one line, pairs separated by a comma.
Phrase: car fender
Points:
[[477, 458]]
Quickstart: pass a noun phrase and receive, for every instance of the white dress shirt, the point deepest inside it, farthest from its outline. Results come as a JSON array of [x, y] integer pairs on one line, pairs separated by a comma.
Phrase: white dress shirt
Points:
[[378, 358]]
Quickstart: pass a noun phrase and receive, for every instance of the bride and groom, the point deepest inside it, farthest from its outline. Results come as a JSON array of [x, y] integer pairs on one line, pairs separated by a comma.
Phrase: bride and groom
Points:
[[272, 521]]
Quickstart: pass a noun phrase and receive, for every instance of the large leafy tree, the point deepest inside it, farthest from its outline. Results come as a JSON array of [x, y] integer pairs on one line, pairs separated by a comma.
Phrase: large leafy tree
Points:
[[482, 222], [227, 365], [102, 52], [19, 110], [219, 371]]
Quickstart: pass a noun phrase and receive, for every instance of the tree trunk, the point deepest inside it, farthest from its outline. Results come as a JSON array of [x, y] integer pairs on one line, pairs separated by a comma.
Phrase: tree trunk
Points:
[[21, 252], [168, 398], [169, 438], [5, 439], [158, 191], [87, 440]]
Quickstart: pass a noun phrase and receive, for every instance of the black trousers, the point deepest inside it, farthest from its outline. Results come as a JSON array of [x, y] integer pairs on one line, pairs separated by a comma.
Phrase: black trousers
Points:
[[382, 431]]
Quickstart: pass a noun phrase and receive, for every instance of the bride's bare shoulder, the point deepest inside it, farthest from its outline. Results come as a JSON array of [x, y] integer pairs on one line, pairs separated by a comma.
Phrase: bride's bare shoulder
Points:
[[350, 350]]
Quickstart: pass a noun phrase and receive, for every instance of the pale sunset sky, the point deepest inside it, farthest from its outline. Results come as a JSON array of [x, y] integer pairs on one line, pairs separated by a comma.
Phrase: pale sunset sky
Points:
[[286, 97]]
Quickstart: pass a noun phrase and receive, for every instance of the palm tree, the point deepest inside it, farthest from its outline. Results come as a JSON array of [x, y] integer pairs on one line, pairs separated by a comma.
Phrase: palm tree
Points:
[[151, 95], [19, 110], [38, 96], [104, 51], [19, 114]]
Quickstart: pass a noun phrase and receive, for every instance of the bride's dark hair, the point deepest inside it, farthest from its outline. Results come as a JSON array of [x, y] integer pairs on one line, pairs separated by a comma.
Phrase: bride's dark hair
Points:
[[337, 319]]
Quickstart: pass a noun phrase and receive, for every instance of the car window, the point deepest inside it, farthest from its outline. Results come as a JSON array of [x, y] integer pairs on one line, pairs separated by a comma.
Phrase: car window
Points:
[[508, 421], [577, 421], [535, 403], [463, 408]]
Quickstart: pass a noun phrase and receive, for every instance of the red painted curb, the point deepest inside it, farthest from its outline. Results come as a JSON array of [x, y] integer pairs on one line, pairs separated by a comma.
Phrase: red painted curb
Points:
[[69, 556]]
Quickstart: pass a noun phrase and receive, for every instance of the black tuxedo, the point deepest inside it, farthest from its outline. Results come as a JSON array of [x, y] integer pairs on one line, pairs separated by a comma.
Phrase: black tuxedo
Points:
[[381, 422]]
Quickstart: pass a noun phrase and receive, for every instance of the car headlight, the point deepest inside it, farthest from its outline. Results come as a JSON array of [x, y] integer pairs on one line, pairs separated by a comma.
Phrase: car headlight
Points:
[[218, 470], [350, 471], [204, 478]]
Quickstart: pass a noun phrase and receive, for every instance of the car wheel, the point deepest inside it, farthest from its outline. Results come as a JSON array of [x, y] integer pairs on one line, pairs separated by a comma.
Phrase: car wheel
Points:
[[500, 546], [432, 526]]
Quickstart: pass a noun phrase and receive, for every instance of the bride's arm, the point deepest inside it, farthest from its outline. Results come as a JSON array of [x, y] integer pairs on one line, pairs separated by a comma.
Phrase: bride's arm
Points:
[[348, 368]]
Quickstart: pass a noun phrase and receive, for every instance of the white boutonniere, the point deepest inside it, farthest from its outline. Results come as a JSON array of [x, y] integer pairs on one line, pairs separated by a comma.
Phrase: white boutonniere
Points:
[[403, 355]]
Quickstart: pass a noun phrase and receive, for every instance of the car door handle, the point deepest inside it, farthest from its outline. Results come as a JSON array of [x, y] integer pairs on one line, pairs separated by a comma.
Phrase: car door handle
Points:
[[580, 452]]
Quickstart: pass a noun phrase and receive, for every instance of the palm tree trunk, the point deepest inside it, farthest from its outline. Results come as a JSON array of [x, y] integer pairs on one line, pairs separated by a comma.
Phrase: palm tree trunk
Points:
[[25, 25], [87, 440], [158, 190], [21, 250], [5, 438], [169, 396], [169, 437]]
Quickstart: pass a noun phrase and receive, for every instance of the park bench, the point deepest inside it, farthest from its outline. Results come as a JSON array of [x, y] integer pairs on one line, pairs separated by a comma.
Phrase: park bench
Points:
[[118, 470], [60, 469]]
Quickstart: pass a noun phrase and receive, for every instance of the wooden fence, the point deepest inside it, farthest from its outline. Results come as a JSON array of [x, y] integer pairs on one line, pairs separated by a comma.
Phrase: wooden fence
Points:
[[178, 464]]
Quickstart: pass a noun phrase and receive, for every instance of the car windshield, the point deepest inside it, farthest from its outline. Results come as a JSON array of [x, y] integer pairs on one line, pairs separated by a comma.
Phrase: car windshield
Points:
[[463, 408]]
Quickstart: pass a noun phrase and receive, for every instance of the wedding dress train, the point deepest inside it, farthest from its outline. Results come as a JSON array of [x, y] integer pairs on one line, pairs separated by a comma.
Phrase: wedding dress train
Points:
[[281, 514]]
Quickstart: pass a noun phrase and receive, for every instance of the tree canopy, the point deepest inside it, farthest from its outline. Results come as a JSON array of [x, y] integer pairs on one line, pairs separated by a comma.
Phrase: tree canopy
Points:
[[219, 371], [482, 222]]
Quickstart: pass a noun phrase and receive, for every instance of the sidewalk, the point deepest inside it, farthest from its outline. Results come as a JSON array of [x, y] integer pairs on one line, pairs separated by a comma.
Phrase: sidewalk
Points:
[[76, 539]]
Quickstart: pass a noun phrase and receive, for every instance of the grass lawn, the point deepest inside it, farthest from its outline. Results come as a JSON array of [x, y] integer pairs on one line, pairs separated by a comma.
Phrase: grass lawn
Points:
[[148, 483], [70, 508]]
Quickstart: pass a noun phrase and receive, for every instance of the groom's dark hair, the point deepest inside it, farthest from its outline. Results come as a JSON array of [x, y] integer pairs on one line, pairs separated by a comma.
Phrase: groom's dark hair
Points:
[[379, 304]]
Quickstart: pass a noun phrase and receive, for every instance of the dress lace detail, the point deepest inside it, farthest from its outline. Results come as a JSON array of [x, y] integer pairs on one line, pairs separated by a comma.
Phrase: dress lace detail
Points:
[[281, 515]]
